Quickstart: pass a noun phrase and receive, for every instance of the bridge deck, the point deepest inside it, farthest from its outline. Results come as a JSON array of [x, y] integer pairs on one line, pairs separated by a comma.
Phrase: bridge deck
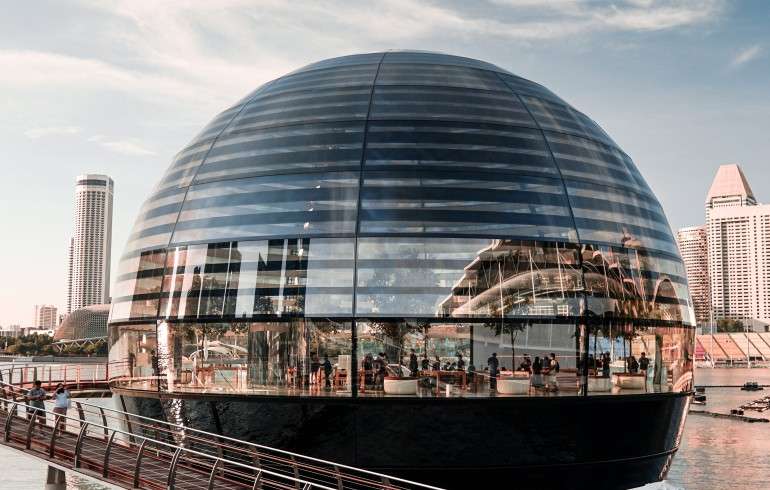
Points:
[[115, 461], [131, 451]]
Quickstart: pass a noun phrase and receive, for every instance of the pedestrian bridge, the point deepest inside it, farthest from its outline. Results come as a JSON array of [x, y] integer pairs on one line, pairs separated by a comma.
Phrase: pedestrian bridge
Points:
[[131, 451]]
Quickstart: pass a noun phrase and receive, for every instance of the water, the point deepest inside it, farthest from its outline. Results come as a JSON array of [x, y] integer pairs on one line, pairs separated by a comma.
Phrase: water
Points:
[[714, 454], [721, 453]]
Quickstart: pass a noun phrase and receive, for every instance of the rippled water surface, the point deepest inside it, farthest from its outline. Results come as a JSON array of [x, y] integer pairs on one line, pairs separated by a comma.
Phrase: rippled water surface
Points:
[[714, 454], [719, 453]]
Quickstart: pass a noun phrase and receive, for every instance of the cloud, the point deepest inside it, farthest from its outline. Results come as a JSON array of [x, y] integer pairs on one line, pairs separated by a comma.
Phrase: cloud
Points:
[[210, 53], [131, 147], [127, 147], [746, 55], [35, 133]]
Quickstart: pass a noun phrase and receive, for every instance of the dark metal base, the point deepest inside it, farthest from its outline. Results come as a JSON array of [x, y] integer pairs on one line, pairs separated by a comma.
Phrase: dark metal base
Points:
[[620, 441]]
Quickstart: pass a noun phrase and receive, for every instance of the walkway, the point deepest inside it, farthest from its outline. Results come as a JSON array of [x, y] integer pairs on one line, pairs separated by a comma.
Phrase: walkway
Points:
[[131, 451]]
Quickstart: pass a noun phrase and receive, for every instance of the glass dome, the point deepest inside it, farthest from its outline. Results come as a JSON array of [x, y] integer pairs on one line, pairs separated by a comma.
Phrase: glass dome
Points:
[[400, 215]]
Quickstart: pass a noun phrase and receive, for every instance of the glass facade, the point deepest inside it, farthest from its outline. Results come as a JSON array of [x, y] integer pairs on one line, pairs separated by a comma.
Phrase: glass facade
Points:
[[402, 224]]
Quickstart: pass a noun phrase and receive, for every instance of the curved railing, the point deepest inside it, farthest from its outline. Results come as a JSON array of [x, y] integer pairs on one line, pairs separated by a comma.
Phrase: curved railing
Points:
[[135, 428]]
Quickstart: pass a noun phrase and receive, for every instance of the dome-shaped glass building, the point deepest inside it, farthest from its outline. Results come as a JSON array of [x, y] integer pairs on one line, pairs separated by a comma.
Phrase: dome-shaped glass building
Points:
[[417, 263]]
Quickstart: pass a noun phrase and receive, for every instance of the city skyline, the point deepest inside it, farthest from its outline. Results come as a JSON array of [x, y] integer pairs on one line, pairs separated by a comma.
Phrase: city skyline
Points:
[[122, 99]]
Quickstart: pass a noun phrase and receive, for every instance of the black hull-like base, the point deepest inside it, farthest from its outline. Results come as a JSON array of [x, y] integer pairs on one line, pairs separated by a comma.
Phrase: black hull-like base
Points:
[[620, 441]]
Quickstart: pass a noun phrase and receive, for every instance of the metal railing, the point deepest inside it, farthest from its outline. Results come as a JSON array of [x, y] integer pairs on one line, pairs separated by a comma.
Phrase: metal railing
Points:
[[131, 460], [136, 429], [73, 376]]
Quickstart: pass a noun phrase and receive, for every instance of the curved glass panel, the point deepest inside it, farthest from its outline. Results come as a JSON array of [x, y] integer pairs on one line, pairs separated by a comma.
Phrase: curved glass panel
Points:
[[402, 224]]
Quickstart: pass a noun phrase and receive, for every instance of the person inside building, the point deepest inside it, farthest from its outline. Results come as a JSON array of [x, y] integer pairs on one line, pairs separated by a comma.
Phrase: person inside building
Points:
[[368, 367], [327, 367], [315, 366], [606, 365], [493, 364], [537, 372], [526, 364], [413, 364], [644, 363], [632, 364], [436, 366], [460, 362]]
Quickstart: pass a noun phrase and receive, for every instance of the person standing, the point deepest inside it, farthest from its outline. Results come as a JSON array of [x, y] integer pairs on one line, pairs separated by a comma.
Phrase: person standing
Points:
[[327, 366], [644, 363], [493, 364], [62, 403], [413, 364], [537, 372], [460, 362], [606, 362], [35, 397]]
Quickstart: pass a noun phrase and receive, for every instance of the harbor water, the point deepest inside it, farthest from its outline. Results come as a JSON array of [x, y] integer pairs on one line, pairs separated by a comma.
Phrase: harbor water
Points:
[[715, 454]]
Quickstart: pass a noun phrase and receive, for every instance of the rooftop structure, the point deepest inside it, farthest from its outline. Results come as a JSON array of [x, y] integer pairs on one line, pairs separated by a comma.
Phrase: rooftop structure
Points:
[[84, 323]]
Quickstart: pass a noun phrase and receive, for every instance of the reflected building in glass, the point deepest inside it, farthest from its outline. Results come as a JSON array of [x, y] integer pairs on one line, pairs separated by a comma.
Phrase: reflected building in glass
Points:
[[416, 263]]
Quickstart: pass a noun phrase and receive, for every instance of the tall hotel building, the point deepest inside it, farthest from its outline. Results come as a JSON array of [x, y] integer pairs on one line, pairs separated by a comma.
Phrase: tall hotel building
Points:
[[89, 254], [694, 250], [738, 249], [46, 317]]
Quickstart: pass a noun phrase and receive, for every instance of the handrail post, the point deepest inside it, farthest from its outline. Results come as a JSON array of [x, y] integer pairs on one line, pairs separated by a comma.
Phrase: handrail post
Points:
[[138, 463], [128, 426], [106, 464], [31, 426], [81, 413], [52, 443], [14, 409], [258, 481], [340, 485], [296, 471], [104, 422], [213, 473], [172, 469], [79, 443]]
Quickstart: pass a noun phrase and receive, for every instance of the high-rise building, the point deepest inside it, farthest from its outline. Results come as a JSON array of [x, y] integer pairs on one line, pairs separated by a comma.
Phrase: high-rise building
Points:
[[46, 316], [89, 267], [738, 249], [694, 250]]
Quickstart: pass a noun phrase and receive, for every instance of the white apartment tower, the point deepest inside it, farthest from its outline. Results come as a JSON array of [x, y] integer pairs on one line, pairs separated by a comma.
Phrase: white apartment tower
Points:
[[738, 249], [89, 267], [694, 251], [46, 316]]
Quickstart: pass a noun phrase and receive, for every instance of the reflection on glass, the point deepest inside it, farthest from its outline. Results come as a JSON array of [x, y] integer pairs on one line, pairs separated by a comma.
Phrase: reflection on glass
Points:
[[280, 358]]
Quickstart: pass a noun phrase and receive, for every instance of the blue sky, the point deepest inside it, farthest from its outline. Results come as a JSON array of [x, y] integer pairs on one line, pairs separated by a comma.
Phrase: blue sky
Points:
[[118, 87]]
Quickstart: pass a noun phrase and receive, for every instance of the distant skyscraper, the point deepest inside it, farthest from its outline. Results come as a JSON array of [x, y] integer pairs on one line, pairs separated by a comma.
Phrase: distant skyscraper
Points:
[[46, 316], [738, 248], [89, 267], [694, 250]]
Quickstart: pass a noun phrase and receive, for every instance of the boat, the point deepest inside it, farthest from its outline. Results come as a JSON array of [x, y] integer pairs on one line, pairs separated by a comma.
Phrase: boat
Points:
[[751, 386]]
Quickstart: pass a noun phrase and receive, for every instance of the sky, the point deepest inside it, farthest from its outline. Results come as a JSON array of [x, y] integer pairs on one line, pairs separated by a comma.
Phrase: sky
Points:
[[118, 87]]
